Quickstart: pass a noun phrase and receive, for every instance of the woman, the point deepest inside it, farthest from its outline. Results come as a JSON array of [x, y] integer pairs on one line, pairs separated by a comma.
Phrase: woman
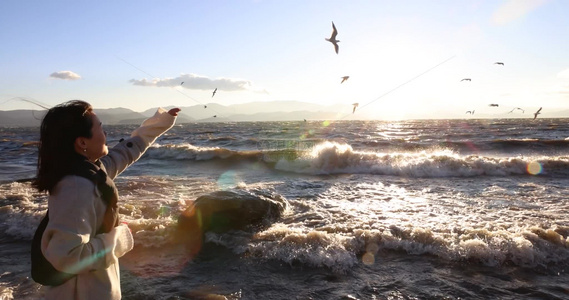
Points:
[[78, 239]]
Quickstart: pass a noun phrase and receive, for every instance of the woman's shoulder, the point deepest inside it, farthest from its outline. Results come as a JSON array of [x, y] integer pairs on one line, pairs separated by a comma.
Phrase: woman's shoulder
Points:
[[74, 186]]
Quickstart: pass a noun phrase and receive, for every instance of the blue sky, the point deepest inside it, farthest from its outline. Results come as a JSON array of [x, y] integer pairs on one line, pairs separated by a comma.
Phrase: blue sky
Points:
[[135, 54]]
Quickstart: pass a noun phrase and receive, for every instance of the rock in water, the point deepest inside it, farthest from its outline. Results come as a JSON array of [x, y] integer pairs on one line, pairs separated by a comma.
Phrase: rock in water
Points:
[[222, 211]]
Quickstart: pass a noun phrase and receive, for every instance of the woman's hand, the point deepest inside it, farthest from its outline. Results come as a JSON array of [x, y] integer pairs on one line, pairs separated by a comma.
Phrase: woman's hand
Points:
[[126, 224], [174, 111]]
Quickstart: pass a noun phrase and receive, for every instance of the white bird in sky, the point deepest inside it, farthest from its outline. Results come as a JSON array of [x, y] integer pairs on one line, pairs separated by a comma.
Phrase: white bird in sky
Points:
[[333, 39], [517, 109], [355, 106], [537, 113]]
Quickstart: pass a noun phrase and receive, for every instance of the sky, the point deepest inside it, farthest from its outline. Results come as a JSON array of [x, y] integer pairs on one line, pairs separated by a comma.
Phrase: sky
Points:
[[403, 58]]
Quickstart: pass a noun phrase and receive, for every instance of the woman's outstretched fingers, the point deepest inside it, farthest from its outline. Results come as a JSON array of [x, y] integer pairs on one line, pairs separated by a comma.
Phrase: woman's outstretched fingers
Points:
[[174, 111]]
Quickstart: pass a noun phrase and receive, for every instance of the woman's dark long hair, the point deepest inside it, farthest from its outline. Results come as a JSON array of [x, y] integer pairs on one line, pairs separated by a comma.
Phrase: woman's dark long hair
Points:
[[60, 127]]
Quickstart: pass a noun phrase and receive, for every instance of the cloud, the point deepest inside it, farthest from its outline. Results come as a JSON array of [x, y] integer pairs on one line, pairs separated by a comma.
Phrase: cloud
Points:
[[197, 82], [512, 10], [65, 75]]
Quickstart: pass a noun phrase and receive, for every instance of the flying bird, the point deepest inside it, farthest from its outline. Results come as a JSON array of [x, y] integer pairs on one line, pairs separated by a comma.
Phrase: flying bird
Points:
[[466, 79], [333, 39], [499, 63], [493, 105], [205, 106], [182, 82], [344, 78], [215, 116], [537, 113], [355, 105], [214, 92], [515, 109], [470, 112]]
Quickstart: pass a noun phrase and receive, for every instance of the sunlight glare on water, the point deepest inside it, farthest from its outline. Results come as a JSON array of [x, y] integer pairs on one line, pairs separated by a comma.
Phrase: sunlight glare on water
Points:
[[391, 131]]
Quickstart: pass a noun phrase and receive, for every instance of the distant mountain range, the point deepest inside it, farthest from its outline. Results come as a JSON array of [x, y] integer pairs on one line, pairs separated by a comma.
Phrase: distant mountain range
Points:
[[253, 111], [212, 112]]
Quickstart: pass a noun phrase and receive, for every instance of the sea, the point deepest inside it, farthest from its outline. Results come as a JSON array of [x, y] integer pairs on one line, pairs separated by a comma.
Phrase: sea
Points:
[[413, 209]]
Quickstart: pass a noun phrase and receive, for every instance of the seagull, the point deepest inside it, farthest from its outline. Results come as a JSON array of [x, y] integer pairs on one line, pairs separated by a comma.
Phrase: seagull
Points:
[[344, 78], [515, 109], [182, 82], [466, 79], [355, 105], [494, 105], [333, 39], [499, 63], [470, 112], [214, 92], [537, 113]]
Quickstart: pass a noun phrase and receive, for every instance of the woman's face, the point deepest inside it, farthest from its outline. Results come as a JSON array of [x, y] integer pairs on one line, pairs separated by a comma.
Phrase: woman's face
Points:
[[96, 146]]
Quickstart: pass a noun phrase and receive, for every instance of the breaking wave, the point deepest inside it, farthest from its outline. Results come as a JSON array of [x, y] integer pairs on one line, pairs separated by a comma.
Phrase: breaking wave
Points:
[[341, 158]]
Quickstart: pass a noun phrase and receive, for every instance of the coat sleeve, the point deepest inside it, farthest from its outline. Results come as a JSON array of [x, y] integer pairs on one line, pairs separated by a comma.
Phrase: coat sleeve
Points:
[[130, 150], [70, 242]]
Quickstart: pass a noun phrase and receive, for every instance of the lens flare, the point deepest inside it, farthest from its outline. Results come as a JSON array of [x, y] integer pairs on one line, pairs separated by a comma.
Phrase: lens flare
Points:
[[228, 180], [164, 211], [534, 168], [368, 259]]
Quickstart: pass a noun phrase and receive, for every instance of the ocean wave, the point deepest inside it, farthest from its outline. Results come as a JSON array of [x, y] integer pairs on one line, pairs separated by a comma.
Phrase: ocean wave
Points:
[[338, 248], [188, 152], [21, 210], [534, 247], [340, 158], [337, 158], [195, 153], [472, 145]]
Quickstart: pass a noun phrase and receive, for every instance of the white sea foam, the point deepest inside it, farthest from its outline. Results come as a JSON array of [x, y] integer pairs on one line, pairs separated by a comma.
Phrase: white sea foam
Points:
[[6, 293], [338, 158], [22, 209], [340, 251]]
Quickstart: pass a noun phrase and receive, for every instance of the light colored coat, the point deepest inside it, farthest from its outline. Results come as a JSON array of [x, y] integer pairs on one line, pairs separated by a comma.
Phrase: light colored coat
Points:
[[70, 242]]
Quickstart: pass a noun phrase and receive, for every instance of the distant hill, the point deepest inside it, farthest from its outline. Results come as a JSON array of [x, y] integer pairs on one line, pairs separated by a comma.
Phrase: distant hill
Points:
[[110, 116], [34, 117], [255, 111], [117, 115], [285, 116], [30, 118]]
